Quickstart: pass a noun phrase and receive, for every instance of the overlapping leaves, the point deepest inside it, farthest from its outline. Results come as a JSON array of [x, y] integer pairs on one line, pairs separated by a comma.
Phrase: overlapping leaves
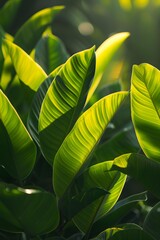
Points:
[[64, 101]]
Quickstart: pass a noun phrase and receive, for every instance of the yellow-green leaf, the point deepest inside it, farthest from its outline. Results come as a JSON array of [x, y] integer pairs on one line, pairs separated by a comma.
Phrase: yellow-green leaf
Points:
[[77, 147], [104, 54], [20, 162], [145, 108]]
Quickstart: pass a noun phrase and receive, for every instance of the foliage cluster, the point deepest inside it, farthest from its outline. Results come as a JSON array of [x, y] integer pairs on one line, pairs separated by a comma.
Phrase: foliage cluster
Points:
[[67, 150]]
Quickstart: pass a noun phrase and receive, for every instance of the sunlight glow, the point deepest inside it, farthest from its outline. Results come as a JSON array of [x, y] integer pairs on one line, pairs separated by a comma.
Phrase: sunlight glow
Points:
[[86, 28], [141, 3], [125, 4]]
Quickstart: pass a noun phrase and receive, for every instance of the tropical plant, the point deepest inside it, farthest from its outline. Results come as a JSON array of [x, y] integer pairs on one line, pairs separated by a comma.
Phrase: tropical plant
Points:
[[62, 162]]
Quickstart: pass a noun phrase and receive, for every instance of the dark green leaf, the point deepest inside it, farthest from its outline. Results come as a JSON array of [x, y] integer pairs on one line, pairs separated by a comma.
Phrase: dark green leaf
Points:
[[36, 106], [50, 53], [30, 32], [144, 170], [114, 216], [152, 222], [8, 13], [17, 152], [27, 210]]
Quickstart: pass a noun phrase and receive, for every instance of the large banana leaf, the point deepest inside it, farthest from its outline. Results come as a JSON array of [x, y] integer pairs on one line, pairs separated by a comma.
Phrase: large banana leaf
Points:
[[99, 175], [30, 32], [144, 170], [145, 106], [152, 222], [64, 101], [28, 71], [33, 117], [117, 213], [8, 13], [77, 147], [27, 210], [104, 54], [17, 151], [50, 53]]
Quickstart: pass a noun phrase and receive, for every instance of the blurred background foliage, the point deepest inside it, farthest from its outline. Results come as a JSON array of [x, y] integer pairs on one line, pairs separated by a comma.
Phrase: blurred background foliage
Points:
[[85, 23]]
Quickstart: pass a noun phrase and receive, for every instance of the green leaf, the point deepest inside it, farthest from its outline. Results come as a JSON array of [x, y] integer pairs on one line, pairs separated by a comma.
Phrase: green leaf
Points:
[[75, 204], [112, 182], [104, 54], [81, 141], [144, 170], [50, 53], [33, 116], [126, 232], [37, 25], [17, 152], [77, 236], [64, 101], [152, 222], [24, 66], [21, 210], [114, 216], [6, 66], [122, 142], [145, 108], [8, 13]]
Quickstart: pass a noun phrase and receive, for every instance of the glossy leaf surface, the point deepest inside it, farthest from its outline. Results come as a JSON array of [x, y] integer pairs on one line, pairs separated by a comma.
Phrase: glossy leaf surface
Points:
[[22, 210], [50, 53], [64, 101], [39, 96], [30, 32], [145, 108], [99, 175], [20, 156], [114, 216], [25, 66], [81, 141], [144, 170], [103, 55]]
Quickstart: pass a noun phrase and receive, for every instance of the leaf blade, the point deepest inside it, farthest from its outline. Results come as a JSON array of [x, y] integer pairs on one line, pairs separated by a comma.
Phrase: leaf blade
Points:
[[21, 145], [64, 101], [36, 24], [144, 99], [24, 66], [82, 139], [103, 55], [21, 210]]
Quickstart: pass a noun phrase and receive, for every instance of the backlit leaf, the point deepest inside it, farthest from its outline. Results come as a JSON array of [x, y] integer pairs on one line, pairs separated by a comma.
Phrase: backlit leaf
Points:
[[64, 101], [99, 175], [28, 71], [144, 170], [77, 147], [30, 32], [145, 107], [20, 157], [103, 55]]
